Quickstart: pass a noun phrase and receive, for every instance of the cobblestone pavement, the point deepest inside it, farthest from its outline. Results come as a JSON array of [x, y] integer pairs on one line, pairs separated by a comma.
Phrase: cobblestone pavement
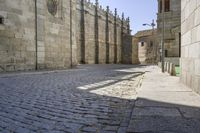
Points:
[[91, 98]]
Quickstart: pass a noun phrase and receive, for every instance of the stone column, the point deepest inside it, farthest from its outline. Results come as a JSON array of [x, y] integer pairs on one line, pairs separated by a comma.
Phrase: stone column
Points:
[[107, 36], [82, 26], [115, 37], [96, 32]]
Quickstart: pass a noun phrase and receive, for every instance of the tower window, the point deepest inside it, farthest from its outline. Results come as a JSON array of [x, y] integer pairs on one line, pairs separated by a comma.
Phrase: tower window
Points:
[[160, 6], [1, 20], [167, 5]]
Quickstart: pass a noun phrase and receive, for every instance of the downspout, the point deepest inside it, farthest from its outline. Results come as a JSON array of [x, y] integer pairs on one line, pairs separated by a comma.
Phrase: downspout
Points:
[[36, 37], [71, 33]]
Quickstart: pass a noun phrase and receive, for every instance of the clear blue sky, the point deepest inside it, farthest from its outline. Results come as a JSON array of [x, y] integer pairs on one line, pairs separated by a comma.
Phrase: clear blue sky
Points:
[[139, 11]]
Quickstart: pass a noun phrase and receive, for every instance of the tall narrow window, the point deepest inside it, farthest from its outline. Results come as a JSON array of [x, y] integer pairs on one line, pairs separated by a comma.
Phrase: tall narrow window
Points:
[[1, 20], [167, 5], [160, 6], [166, 53], [142, 44]]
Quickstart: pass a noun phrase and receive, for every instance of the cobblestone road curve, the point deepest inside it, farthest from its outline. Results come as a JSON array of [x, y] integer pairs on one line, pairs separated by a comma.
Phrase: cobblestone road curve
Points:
[[91, 98]]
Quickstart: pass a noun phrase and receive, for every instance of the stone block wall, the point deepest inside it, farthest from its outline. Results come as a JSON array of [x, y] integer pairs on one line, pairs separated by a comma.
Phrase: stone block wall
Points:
[[99, 34], [190, 48], [58, 34], [172, 22], [147, 46], [34, 35], [17, 38], [135, 55]]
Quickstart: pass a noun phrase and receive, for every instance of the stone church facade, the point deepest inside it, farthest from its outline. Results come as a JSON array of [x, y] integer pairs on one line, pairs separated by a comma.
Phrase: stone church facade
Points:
[[100, 34], [190, 47], [37, 34], [59, 34]]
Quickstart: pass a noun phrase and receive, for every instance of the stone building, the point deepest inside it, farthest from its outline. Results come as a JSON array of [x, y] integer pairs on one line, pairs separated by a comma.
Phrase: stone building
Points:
[[190, 47], [37, 34], [172, 22], [147, 46], [58, 34], [101, 34], [135, 57]]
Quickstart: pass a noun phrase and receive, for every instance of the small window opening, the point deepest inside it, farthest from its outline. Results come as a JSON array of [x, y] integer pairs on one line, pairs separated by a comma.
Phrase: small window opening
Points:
[[142, 44], [151, 44], [166, 53], [1, 20]]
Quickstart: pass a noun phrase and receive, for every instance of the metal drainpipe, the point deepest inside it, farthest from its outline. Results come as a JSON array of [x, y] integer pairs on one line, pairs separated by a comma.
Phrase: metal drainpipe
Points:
[[36, 37], [71, 33]]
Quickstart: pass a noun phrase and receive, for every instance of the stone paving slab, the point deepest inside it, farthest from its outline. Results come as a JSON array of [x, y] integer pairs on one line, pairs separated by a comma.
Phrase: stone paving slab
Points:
[[164, 105]]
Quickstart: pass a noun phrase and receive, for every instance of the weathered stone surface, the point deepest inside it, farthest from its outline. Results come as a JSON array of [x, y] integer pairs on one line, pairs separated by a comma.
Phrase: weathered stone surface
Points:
[[164, 105], [77, 100], [147, 43], [190, 58], [172, 24], [100, 37], [56, 39]]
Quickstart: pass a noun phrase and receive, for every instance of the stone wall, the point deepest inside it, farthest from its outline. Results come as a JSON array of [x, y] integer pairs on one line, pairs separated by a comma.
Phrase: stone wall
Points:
[[147, 46], [135, 57], [17, 41], [58, 34], [37, 34], [190, 48], [100, 34], [172, 22]]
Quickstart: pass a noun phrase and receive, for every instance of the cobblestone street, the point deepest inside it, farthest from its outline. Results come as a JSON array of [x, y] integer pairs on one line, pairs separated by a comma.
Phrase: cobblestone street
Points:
[[90, 98]]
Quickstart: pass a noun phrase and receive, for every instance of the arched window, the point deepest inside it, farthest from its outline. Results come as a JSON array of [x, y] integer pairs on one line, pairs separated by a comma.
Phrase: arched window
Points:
[[160, 6], [167, 5]]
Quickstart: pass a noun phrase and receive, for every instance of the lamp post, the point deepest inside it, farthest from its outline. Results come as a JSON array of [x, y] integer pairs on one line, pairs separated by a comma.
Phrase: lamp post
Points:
[[153, 30], [152, 25]]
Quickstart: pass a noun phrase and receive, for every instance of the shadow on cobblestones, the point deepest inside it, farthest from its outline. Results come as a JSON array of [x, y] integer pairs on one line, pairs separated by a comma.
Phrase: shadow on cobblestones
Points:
[[150, 116], [55, 102], [91, 98]]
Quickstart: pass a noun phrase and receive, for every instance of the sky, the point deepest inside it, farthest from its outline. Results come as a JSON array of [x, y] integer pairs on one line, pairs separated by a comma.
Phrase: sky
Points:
[[139, 11]]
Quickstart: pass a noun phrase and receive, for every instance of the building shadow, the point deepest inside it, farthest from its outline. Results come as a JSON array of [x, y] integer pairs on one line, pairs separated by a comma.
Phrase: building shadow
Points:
[[76, 101]]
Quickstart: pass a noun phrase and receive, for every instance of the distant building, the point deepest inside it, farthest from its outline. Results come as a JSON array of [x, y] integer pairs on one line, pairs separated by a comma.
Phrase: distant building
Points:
[[172, 22], [190, 47], [147, 46]]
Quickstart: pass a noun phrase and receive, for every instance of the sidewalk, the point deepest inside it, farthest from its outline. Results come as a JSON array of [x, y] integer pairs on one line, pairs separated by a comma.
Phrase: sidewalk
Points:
[[165, 106]]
